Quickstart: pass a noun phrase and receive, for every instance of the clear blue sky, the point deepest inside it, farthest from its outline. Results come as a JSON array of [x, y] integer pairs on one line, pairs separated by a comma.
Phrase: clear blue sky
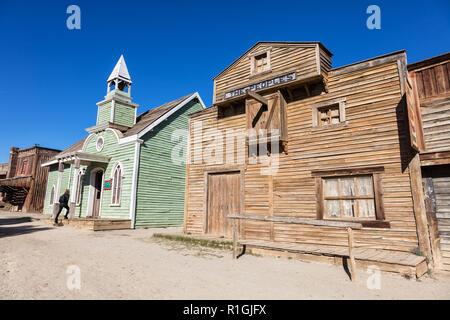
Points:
[[52, 77]]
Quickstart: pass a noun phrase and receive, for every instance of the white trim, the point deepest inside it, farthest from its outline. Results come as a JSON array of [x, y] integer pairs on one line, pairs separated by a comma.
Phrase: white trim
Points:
[[49, 163], [54, 195], [168, 114], [116, 165], [83, 148], [134, 185], [113, 107], [99, 149], [91, 192]]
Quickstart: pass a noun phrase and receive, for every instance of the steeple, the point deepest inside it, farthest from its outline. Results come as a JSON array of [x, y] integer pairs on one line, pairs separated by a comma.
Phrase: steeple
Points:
[[119, 77], [117, 107]]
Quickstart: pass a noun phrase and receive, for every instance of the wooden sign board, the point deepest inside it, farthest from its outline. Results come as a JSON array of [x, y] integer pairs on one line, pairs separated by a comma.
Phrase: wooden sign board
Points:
[[107, 185], [262, 85], [414, 117]]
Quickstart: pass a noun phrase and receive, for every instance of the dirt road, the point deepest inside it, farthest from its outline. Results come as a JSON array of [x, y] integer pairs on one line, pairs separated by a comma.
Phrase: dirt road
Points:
[[38, 260]]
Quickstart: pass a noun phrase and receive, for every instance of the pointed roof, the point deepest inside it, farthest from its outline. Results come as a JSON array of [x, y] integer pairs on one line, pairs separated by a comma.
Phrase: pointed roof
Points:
[[120, 71]]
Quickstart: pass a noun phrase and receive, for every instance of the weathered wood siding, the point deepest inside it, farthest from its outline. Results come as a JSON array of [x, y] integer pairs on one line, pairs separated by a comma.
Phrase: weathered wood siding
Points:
[[161, 182], [375, 134], [432, 81], [304, 59]]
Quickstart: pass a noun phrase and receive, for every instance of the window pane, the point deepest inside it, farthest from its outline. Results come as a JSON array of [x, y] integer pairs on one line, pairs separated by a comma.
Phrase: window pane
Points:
[[367, 208], [365, 186], [331, 187], [347, 186], [333, 209], [335, 112], [334, 120], [348, 208]]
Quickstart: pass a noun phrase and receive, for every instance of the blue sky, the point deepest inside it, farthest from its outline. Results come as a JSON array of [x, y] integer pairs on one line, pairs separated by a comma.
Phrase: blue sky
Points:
[[53, 77]]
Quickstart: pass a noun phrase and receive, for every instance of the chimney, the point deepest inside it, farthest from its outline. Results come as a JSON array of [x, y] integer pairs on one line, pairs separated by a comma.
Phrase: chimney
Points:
[[13, 153]]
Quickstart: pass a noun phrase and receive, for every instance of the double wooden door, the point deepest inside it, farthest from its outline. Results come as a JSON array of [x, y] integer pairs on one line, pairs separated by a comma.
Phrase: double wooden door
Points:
[[224, 198]]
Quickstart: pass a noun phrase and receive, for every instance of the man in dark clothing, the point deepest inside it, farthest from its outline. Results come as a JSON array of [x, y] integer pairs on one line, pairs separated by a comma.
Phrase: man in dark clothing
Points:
[[63, 203]]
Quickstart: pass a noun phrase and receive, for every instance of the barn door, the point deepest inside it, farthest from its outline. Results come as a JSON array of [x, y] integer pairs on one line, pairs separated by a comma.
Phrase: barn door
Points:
[[224, 198]]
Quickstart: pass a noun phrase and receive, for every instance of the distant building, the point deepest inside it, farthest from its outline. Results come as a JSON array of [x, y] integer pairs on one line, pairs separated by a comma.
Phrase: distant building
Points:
[[23, 180]]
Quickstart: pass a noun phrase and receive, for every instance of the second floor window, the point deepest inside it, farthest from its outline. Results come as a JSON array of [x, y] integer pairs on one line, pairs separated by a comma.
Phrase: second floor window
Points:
[[261, 63]]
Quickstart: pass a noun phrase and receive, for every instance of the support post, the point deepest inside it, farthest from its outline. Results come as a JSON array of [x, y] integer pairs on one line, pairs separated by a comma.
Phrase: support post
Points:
[[73, 195], [58, 188], [350, 254], [234, 238]]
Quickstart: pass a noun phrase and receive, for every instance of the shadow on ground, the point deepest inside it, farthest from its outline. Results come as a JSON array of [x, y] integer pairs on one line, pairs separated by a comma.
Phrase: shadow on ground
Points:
[[17, 230]]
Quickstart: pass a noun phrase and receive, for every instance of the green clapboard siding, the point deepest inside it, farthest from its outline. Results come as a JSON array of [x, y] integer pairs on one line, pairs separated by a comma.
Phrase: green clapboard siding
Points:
[[124, 114], [160, 191], [104, 113]]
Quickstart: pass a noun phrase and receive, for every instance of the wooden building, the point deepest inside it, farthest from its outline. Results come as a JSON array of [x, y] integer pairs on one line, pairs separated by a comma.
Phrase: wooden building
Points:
[[338, 149], [121, 175], [431, 80], [26, 181]]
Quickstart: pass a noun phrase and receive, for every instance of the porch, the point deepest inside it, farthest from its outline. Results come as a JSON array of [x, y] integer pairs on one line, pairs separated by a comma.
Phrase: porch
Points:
[[93, 224]]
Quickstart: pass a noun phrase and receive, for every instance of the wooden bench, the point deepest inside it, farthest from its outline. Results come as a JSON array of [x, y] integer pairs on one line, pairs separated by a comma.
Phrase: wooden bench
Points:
[[338, 251]]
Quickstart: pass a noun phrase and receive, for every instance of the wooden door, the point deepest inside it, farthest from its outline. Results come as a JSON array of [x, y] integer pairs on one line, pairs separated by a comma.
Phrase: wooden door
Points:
[[224, 198], [97, 193]]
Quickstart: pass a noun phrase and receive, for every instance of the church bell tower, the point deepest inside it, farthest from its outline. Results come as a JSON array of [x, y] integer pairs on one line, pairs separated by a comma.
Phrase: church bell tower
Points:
[[117, 107]]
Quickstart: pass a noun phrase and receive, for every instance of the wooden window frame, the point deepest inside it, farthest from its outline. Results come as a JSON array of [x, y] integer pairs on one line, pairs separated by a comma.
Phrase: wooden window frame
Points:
[[329, 103], [253, 57], [117, 192], [375, 172]]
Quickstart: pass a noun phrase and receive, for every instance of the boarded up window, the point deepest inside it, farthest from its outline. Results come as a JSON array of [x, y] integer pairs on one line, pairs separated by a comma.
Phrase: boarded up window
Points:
[[328, 115], [349, 197], [261, 63], [117, 185]]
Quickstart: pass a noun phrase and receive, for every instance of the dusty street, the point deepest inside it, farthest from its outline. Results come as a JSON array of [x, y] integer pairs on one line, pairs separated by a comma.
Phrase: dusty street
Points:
[[34, 260]]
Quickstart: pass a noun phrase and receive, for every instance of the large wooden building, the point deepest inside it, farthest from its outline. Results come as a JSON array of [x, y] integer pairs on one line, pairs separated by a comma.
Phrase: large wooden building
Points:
[[336, 147], [431, 80], [25, 181]]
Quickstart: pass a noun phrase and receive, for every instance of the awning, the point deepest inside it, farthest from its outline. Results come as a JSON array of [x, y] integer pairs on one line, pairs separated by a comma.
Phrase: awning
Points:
[[84, 157], [24, 182]]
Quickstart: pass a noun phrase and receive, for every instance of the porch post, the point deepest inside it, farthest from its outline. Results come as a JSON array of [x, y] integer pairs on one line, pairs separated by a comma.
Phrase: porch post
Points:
[[58, 188], [74, 189]]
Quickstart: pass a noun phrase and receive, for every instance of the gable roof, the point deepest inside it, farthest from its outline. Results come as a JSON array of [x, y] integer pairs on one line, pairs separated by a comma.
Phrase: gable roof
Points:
[[274, 43], [148, 117]]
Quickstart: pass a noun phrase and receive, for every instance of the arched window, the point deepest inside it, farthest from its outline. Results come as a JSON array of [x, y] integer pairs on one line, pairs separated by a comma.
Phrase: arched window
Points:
[[116, 185], [79, 188], [52, 195]]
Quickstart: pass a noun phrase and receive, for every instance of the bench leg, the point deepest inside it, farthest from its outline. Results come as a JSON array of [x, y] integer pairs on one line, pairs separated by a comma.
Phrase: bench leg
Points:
[[234, 239], [350, 254]]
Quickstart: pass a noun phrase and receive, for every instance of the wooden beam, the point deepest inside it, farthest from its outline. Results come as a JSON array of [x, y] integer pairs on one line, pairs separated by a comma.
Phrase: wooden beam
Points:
[[271, 112], [313, 222], [350, 254], [308, 93], [257, 97]]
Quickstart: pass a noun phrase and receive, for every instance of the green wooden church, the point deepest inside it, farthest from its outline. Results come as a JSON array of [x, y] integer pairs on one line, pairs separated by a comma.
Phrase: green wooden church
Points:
[[123, 169]]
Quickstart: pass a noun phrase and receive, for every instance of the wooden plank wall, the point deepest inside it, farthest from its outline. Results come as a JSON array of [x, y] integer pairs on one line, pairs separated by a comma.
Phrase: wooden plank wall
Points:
[[283, 59], [375, 135], [433, 86]]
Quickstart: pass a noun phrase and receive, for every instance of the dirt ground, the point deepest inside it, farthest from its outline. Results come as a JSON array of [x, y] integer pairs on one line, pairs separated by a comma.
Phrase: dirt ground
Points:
[[35, 260]]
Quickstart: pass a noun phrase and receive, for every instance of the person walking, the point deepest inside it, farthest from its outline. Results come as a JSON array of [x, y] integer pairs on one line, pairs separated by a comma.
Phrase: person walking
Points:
[[63, 203]]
